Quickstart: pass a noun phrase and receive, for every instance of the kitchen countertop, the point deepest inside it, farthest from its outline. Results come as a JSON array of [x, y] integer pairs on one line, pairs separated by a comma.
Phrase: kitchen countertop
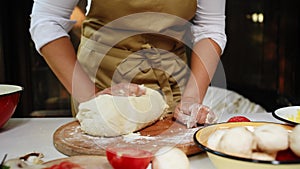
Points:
[[25, 135]]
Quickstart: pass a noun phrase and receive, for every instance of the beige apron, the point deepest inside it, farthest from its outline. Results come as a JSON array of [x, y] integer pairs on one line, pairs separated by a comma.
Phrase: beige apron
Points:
[[138, 41]]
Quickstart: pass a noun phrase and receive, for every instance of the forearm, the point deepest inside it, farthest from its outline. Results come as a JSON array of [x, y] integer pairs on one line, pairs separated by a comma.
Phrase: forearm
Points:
[[61, 58], [204, 60]]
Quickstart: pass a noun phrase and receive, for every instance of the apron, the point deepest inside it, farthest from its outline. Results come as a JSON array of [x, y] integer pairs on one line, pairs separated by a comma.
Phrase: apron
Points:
[[138, 42]]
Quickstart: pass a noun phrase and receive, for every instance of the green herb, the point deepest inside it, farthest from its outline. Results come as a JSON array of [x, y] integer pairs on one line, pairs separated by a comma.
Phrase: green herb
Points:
[[2, 166]]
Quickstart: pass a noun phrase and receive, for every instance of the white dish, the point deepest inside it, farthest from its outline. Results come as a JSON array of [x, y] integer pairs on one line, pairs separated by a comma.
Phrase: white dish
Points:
[[289, 114]]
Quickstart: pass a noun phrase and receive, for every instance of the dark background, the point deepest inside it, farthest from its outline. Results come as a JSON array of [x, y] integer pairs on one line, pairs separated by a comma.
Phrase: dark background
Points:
[[261, 59]]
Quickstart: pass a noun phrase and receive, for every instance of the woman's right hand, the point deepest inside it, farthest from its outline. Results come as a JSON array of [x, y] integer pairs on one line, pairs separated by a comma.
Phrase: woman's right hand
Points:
[[124, 89]]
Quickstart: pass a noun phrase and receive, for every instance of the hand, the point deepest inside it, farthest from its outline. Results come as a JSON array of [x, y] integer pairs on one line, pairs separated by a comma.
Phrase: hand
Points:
[[192, 113], [124, 89]]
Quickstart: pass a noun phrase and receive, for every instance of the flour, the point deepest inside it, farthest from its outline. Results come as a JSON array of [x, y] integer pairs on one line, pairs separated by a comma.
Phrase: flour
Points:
[[137, 138]]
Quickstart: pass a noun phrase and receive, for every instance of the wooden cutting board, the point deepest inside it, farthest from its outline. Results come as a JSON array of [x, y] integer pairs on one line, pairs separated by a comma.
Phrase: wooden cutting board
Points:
[[71, 141]]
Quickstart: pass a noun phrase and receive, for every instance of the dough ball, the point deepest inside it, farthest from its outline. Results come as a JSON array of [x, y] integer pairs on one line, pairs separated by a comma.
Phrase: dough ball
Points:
[[170, 158], [271, 138], [237, 141], [295, 140], [263, 156], [109, 116], [214, 139]]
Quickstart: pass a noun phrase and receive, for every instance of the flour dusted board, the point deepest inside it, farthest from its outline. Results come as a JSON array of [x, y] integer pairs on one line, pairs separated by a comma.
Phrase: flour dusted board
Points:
[[70, 140]]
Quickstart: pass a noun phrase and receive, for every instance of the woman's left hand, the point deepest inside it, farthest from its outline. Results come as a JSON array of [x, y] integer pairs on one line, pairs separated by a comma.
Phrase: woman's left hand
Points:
[[191, 114]]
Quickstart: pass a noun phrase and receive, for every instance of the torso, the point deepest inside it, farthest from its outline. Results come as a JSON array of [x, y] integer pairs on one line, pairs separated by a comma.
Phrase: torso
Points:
[[122, 32]]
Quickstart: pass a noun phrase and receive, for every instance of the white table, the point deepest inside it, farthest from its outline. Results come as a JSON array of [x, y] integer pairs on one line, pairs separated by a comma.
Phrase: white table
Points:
[[24, 135]]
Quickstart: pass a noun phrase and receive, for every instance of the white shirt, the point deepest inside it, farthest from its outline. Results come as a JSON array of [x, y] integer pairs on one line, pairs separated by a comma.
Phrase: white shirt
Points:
[[50, 20]]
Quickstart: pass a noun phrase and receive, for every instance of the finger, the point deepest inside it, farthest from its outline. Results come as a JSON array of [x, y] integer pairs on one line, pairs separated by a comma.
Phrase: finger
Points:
[[121, 89], [211, 118], [105, 91], [202, 115], [133, 90], [136, 90], [128, 89], [179, 116], [140, 91], [182, 118]]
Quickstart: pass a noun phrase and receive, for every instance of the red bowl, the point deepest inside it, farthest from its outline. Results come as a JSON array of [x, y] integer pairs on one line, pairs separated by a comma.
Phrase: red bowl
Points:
[[9, 99], [128, 158]]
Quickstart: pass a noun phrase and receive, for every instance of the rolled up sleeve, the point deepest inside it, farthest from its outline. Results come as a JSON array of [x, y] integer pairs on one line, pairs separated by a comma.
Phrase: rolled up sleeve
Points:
[[50, 20], [209, 22]]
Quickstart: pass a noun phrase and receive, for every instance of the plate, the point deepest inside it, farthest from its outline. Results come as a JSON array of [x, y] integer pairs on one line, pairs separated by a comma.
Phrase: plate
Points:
[[86, 162], [289, 114]]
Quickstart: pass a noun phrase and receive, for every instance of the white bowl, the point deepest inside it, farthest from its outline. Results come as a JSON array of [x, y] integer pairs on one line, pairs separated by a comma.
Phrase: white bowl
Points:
[[290, 114]]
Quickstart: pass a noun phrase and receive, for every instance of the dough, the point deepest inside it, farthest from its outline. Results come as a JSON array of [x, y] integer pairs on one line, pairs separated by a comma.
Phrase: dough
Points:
[[271, 138], [170, 158], [108, 115], [215, 138], [237, 141], [295, 140], [263, 156]]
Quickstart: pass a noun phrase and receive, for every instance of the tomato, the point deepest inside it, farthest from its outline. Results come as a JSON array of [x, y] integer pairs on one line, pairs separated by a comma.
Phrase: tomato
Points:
[[239, 119], [286, 155], [128, 158], [65, 165]]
